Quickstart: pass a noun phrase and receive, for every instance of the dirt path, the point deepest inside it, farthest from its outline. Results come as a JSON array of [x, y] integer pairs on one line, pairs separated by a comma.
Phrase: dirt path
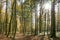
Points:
[[28, 37]]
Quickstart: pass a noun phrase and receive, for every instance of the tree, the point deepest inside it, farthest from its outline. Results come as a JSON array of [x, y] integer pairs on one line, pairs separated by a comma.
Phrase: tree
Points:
[[40, 16], [14, 20], [9, 29], [6, 15], [27, 7], [53, 27], [0, 16]]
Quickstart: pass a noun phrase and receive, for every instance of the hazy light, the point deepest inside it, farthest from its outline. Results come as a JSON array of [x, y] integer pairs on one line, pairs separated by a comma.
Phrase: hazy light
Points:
[[22, 1], [18, 2], [47, 5], [56, 8], [38, 9], [4, 6]]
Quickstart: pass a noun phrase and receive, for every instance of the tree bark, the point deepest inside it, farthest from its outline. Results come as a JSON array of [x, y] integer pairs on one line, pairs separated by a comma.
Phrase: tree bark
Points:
[[53, 27], [40, 17]]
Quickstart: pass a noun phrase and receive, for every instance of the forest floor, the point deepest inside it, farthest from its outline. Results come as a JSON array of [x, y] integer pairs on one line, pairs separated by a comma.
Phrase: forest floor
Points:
[[27, 37]]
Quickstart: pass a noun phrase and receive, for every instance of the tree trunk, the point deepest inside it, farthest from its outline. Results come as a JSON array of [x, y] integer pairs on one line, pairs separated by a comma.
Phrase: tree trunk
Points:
[[9, 29], [53, 27], [36, 21], [14, 18], [0, 16], [6, 15], [40, 17]]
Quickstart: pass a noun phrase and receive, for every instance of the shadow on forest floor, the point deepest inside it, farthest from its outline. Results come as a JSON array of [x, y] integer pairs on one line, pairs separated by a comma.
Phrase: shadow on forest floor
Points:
[[27, 37]]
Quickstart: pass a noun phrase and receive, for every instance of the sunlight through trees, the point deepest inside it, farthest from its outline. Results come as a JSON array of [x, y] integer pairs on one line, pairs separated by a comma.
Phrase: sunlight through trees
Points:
[[30, 17]]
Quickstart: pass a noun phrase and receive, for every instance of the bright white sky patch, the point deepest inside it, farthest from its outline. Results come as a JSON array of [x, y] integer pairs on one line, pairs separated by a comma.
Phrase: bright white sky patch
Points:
[[18, 2], [22, 1], [47, 5], [4, 6], [56, 8], [33, 19], [38, 9]]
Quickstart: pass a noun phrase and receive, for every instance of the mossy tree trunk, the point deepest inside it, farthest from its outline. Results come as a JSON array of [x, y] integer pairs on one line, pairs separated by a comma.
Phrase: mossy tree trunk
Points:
[[9, 29], [14, 20]]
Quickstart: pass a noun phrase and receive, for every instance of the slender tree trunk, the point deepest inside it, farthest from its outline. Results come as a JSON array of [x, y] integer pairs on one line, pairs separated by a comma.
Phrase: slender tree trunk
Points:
[[40, 17], [0, 15], [53, 27], [31, 18], [14, 18], [9, 29], [22, 18], [6, 15], [23, 24], [36, 21]]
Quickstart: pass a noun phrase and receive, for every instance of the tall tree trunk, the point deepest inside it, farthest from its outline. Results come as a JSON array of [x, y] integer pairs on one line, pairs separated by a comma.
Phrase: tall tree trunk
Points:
[[23, 21], [31, 18], [0, 15], [36, 21], [53, 27], [9, 29], [40, 17], [6, 15], [14, 19]]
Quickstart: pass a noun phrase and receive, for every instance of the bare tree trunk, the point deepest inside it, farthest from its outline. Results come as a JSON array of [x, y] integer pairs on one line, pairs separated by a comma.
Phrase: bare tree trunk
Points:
[[9, 29], [23, 22], [53, 27], [40, 17], [6, 15], [36, 21], [14, 20], [0, 15]]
